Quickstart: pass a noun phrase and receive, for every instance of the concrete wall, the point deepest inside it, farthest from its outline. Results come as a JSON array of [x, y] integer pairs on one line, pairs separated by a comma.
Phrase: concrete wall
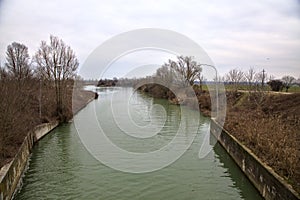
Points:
[[10, 174], [267, 182]]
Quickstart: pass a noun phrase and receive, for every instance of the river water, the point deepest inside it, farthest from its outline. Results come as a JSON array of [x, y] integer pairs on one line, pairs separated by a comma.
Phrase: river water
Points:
[[61, 167]]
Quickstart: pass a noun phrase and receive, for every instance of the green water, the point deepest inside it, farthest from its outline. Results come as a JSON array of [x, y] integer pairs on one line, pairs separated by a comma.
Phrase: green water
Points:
[[61, 168]]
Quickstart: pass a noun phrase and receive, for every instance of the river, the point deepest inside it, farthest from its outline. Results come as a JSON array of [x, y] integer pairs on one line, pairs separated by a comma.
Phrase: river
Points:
[[62, 168]]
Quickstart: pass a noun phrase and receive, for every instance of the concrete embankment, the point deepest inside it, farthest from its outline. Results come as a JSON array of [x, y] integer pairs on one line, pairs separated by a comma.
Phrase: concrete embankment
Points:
[[11, 173], [268, 183]]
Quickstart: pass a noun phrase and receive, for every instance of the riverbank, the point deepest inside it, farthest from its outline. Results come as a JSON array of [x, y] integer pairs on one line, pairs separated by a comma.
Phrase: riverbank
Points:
[[14, 137], [11, 173], [159, 91], [269, 184], [266, 123]]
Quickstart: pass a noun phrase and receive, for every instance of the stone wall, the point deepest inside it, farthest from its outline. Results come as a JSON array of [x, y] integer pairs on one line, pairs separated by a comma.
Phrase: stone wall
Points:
[[268, 183], [10, 174]]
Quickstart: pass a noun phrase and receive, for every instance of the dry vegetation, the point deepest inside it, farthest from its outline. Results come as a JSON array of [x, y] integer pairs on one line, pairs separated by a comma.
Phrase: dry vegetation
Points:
[[270, 129], [16, 115], [36, 90], [160, 91], [19, 111]]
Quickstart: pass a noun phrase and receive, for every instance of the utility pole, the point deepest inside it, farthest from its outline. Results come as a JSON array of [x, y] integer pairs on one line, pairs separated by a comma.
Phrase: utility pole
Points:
[[263, 78]]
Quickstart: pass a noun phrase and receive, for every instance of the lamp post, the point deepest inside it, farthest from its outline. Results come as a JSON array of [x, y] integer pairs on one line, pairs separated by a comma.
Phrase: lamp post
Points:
[[216, 86]]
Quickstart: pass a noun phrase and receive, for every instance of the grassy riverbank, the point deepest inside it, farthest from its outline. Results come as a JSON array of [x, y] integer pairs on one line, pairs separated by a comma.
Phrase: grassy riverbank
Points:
[[267, 123]]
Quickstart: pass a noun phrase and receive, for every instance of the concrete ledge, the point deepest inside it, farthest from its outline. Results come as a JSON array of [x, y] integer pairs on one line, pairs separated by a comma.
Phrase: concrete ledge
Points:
[[10, 174], [268, 183], [44, 129]]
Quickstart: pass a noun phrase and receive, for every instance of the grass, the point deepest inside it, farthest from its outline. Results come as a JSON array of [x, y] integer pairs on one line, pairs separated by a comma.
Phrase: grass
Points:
[[294, 89]]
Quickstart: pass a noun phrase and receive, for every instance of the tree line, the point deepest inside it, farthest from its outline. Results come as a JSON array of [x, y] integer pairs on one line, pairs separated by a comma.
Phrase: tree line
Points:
[[185, 71], [34, 89], [254, 79], [188, 71], [54, 63]]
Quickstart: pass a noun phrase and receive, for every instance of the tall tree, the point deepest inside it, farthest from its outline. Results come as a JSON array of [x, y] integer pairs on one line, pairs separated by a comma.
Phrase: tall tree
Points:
[[185, 70], [249, 75], [165, 74], [17, 61], [288, 81], [56, 62]]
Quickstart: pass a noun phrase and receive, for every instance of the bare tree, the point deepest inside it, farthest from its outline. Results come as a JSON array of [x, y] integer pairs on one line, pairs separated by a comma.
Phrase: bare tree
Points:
[[17, 109], [17, 61], [165, 74], [250, 75], [185, 69], [3, 73], [288, 81], [56, 62], [235, 76]]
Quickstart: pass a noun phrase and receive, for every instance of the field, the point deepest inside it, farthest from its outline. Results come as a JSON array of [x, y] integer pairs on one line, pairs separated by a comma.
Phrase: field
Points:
[[292, 89]]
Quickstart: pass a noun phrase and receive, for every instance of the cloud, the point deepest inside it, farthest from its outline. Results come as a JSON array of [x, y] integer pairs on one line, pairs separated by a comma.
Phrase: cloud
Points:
[[234, 33]]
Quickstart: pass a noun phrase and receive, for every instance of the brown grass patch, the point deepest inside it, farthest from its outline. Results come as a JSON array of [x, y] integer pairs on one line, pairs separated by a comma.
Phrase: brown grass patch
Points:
[[19, 111], [270, 130]]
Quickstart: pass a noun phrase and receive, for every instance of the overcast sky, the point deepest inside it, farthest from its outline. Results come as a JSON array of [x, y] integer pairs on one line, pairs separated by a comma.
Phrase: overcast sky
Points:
[[264, 34]]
